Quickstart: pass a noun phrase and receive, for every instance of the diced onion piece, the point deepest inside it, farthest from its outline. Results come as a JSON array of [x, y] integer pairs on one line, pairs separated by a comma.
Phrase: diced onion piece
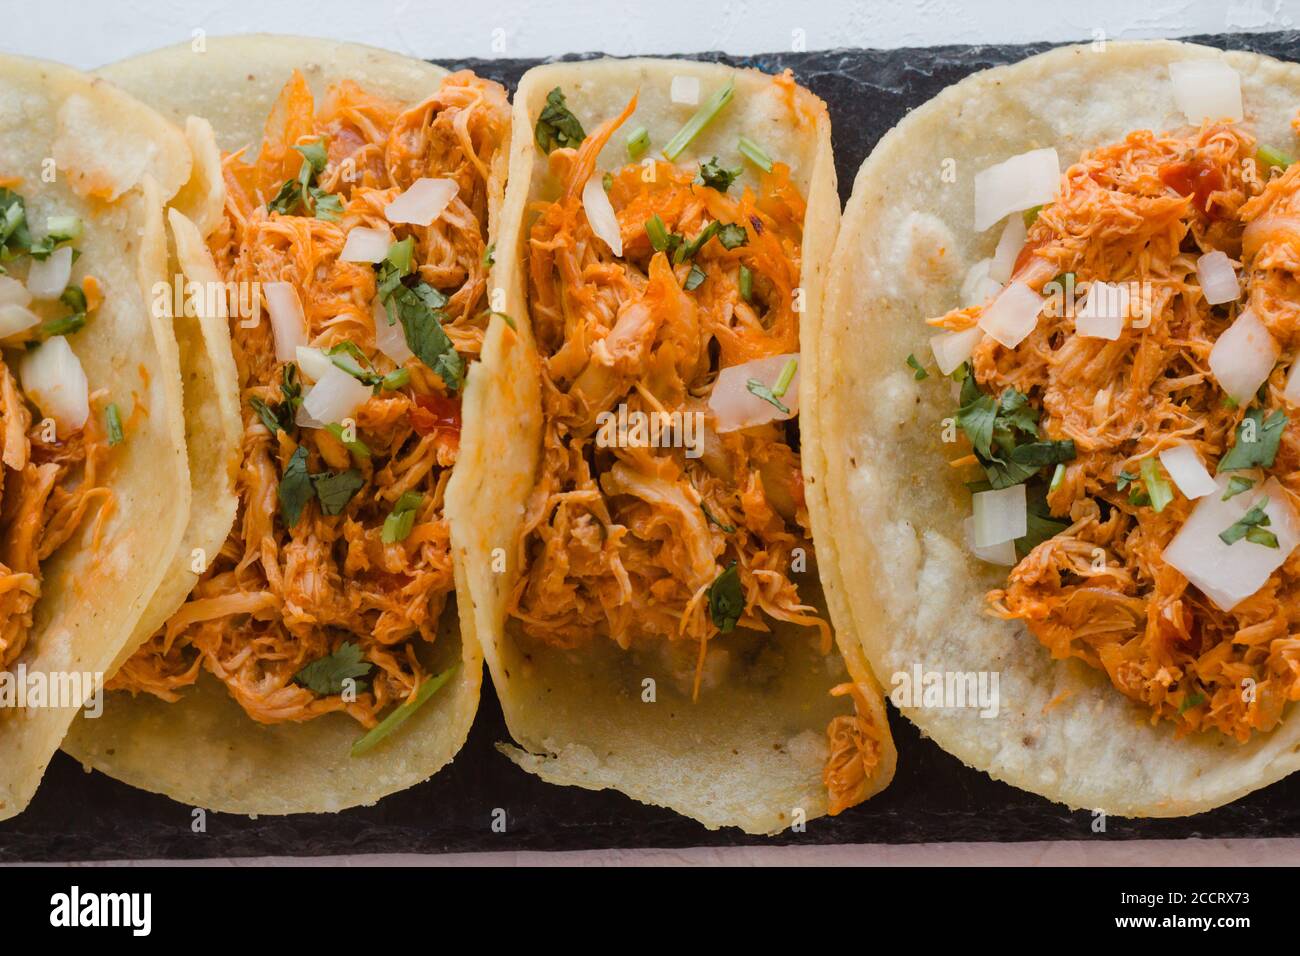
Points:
[[1292, 391], [389, 339], [15, 319], [686, 90], [48, 277], [977, 288], [1000, 515], [1003, 553], [335, 396], [600, 213], [13, 292], [1243, 357], [1009, 246], [1229, 573], [366, 245], [1013, 314], [423, 201], [287, 319], [952, 348], [734, 406], [53, 378], [1206, 90], [1103, 313], [1218, 278], [1187, 470], [313, 363], [1019, 183]]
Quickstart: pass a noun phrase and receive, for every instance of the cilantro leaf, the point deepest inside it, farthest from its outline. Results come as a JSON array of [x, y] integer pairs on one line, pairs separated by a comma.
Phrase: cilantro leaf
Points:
[[714, 175], [1250, 526], [426, 336], [557, 126], [1236, 485], [295, 488], [335, 489], [1257, 441], [326, 675], [726, 599]]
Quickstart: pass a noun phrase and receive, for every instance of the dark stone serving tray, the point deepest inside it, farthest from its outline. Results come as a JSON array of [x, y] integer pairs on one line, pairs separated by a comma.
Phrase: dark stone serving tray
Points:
[[934, 797]]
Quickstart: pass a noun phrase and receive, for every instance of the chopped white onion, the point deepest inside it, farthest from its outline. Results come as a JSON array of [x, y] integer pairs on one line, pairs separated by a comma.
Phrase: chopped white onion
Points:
[[1187, 471], [53, 378], [1013, 314], [977, 288], [366, 245], [48, 277], [1003, 553], [335, 396], [287, 319], [313, 363], [389, 339], [15, 319], [600, 214], [13, 292], [1218, 278], [686, 90], [952, 348], [1000, 515], [422, 202], [1229, 573], [1243, 357], [1008, 250], [1019, 183], [1103, 313], [1206, 90], [734, 406], [1292, 391]]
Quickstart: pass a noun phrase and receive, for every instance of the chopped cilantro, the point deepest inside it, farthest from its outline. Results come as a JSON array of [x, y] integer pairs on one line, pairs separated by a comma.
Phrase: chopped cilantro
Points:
[[557, 126], [1257, 441], [326, 675], [726, 599]]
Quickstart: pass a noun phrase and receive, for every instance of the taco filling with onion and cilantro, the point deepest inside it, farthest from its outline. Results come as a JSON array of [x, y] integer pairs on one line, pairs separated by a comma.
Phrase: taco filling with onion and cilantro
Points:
[[363, 221], [666, 532], [1128, 395]]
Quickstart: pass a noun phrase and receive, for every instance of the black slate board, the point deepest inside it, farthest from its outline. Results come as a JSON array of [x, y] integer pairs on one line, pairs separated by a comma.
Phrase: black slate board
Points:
[[934, 797]]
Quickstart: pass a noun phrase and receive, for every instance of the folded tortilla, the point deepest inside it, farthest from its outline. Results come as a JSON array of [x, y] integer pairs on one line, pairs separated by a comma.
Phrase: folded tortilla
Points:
[[114, 163], [204, 749], [915, 593], [749, 750]]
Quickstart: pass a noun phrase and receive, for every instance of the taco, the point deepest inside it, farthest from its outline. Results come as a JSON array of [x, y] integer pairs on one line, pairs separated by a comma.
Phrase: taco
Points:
[[629, 504], [1103, 512], [94, 489], [318, 662]]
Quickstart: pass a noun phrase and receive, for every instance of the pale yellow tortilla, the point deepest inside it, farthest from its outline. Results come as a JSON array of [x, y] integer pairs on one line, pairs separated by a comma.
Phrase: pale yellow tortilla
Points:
[[205, 750], [91, 599], [915, 593], [749, 753]]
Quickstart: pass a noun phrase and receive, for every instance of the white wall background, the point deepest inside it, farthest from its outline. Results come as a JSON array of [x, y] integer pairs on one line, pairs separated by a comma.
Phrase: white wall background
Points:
[[89, 33]]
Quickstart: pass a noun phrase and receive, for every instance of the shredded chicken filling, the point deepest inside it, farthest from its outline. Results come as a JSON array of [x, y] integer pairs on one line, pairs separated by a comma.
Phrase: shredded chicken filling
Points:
[[1142, 211], [278, 598], [620, 541], [48, 486]]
